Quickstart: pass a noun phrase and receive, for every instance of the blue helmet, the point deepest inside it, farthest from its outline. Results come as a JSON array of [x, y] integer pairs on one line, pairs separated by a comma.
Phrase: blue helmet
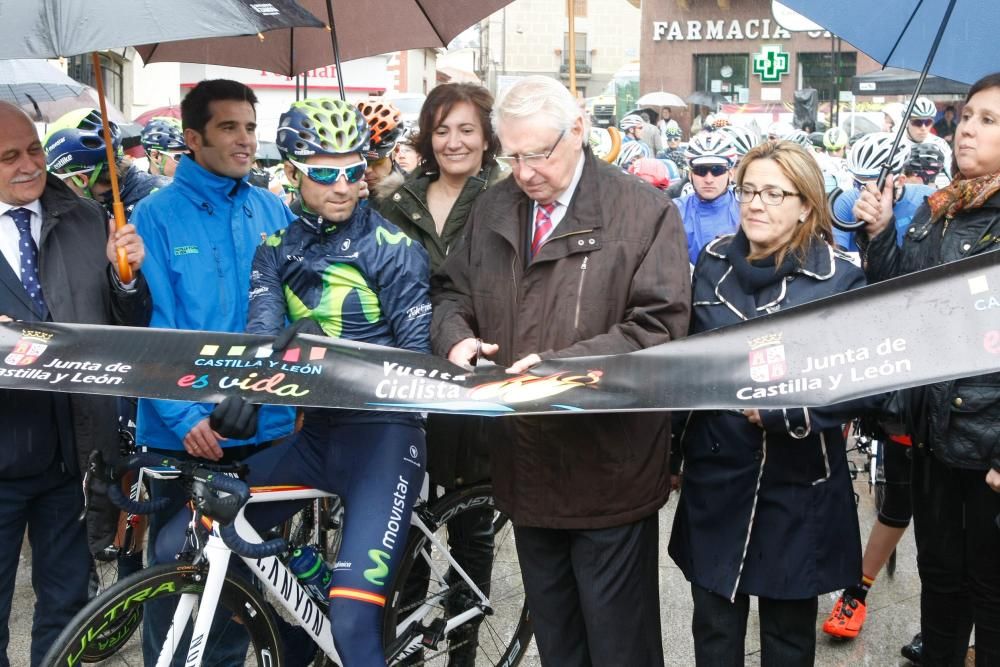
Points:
[[75, 142], [163, 134], [322, 126]]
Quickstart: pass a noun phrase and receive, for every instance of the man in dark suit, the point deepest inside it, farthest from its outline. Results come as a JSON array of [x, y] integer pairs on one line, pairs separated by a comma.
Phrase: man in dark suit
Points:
[[56, 250]]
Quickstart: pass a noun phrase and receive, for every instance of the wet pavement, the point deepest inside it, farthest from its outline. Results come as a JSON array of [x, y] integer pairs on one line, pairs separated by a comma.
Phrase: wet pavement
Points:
[[893, 609]]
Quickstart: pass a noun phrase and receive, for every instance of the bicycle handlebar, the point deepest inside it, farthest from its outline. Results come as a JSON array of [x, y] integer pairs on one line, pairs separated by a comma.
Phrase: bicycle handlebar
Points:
[[206, 483]]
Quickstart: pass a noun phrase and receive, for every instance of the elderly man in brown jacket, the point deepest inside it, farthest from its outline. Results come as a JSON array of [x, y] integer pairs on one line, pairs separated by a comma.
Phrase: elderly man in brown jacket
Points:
[[572, 257]]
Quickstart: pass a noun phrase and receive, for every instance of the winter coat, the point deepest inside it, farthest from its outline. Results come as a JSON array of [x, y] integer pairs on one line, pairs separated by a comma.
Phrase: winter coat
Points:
[[78, 287], [767, 511], [612, 278], [201, 232], [407, 208], [457, 451], [958, 420]]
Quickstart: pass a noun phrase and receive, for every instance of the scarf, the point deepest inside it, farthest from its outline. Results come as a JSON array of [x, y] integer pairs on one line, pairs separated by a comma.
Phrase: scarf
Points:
[[753, 276], [961, 194]]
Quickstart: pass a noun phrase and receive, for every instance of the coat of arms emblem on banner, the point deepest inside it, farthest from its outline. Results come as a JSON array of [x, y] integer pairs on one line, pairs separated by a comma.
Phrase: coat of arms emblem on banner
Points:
[[767, 358]]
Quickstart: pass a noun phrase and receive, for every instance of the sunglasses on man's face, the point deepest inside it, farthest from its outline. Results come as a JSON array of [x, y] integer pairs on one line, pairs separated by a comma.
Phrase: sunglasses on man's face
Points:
[[706, 169], [326, 175], [921, 122]]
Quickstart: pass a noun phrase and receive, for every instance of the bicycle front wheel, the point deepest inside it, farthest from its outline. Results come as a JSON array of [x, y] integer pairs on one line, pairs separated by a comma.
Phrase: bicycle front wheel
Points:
[[109, 630], [429, 588]]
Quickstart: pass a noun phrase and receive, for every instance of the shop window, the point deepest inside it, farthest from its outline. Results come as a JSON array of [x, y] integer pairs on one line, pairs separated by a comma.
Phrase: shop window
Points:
[[112, 70], [816, 71], [726, 74]]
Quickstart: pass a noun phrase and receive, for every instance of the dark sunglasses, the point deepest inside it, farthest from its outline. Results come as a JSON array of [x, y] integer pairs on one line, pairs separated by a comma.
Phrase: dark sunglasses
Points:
[[921, 122], [706, 169], [330, 175]]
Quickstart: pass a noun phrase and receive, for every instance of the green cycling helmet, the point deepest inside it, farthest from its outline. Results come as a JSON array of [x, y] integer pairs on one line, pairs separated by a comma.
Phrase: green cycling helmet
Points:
[[322, 126]]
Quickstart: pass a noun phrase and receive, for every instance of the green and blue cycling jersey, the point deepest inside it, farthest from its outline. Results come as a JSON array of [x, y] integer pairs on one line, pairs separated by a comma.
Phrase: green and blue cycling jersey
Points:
[[362, 279]]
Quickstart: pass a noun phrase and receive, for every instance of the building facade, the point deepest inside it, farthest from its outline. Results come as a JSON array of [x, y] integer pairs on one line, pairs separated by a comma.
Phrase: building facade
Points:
[[531, 37], [736, 51]]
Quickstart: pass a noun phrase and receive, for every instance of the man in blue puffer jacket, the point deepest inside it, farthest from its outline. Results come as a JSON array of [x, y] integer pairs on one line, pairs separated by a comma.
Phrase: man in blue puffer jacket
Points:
[[201, 232]]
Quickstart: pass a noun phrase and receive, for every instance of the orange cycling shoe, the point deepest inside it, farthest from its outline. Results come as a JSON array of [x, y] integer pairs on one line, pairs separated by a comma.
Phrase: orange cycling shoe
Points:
[[847, 617]]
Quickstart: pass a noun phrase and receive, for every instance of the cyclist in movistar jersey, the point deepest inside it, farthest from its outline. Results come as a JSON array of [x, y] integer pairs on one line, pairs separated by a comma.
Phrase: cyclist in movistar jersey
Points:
[[163, 140], [343, 271]]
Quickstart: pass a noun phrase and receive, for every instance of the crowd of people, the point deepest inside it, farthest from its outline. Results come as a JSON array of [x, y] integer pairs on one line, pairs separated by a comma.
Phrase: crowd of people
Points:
[[492, 230]]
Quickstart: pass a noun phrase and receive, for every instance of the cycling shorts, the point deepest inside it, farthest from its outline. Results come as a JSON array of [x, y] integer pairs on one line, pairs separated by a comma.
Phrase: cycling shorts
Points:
[[897, 508]]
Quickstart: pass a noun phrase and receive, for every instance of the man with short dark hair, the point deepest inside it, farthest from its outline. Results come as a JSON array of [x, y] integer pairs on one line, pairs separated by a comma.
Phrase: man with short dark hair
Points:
[[56, 266], [201, 232]]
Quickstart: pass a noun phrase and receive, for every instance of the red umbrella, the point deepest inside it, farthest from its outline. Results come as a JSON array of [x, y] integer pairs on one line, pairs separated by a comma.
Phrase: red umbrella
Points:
[[172, 111]]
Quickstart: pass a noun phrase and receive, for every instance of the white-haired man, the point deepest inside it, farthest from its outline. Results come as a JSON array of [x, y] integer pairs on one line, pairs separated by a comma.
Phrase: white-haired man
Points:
[[571, 257]]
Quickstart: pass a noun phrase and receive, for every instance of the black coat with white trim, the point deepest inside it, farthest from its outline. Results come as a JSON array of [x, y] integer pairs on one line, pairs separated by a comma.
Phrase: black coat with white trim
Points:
[[767, 511]]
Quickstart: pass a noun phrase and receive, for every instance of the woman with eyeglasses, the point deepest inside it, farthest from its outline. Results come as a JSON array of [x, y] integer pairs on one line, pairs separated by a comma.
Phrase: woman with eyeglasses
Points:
[[955, 426], [766, 506]]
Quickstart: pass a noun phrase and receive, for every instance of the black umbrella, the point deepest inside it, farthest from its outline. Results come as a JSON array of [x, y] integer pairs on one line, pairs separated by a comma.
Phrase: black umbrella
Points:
[[896, 81], [44, 92]]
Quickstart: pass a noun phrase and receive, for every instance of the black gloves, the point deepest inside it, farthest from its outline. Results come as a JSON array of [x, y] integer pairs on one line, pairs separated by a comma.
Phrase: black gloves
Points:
[[306, 325], [234, 418]]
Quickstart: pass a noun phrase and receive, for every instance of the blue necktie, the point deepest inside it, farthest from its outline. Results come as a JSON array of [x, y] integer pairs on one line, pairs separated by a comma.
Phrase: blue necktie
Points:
[[29, 258]]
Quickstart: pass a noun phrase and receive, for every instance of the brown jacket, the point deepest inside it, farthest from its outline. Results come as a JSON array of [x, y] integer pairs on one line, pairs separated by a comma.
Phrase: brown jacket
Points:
[[613, 278]]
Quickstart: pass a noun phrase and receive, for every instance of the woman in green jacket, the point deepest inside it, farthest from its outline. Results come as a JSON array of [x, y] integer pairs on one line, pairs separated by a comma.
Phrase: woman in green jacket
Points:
[[457, 145]]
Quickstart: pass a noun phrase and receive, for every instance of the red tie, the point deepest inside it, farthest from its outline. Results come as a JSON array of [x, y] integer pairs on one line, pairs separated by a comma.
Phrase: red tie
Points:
[[543, 226]]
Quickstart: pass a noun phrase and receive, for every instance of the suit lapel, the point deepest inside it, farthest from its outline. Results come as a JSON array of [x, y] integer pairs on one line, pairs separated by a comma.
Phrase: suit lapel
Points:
[[12, 283]]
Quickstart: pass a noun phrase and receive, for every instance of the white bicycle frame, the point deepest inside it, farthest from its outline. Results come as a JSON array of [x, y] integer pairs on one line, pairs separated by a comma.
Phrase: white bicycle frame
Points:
[[285, 588]]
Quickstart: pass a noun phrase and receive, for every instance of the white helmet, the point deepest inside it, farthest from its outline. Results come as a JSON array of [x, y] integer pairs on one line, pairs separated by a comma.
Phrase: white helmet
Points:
[[870, 152], [711, 148], [779, 130], [630, 121], [742, 138], [630, 152], [800, 137], [923, 108]]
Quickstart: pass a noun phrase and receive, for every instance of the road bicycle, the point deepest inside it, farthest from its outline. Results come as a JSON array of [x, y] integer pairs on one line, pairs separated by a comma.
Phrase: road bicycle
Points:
[[416, 630]]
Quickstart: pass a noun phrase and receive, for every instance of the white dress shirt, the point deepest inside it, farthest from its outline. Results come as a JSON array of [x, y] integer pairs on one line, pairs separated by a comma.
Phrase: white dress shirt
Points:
[[10, 238]]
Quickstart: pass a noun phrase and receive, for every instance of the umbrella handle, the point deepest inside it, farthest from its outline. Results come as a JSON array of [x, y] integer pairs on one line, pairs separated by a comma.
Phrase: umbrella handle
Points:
[[124, 269]]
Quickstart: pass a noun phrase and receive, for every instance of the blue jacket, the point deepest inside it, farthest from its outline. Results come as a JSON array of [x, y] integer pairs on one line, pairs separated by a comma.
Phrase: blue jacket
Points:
[[200, 234], [706, 220], [913, 197]]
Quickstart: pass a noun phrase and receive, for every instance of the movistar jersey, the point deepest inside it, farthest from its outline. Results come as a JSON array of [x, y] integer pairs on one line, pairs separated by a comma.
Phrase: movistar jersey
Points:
[[362, 279]]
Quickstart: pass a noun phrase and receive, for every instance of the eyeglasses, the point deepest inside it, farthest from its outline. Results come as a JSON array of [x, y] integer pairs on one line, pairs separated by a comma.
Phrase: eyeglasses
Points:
[[531, 159], [860, 183], [921, 122], [176, 157], [325, 175], [706, 169], [769, 196]]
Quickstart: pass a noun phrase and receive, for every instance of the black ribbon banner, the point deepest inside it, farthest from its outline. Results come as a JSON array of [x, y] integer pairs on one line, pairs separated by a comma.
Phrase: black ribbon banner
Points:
[[935, 325]]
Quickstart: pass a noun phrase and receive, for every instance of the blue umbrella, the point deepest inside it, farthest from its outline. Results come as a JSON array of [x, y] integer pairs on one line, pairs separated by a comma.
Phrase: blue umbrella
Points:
[[900, 33], [909, 34]]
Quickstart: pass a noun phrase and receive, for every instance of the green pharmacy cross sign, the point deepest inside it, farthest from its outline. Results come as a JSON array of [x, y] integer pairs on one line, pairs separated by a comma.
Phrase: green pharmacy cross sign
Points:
[[771, 63]]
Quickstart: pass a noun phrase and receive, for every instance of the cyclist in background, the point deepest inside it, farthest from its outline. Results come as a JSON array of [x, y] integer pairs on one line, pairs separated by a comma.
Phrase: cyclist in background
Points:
[[163, 140], [742, 139], [864, 161], [712, 209], [75, 153], [832, 161], [918, 130], [385, 123], [925, 166], [341, 270]]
